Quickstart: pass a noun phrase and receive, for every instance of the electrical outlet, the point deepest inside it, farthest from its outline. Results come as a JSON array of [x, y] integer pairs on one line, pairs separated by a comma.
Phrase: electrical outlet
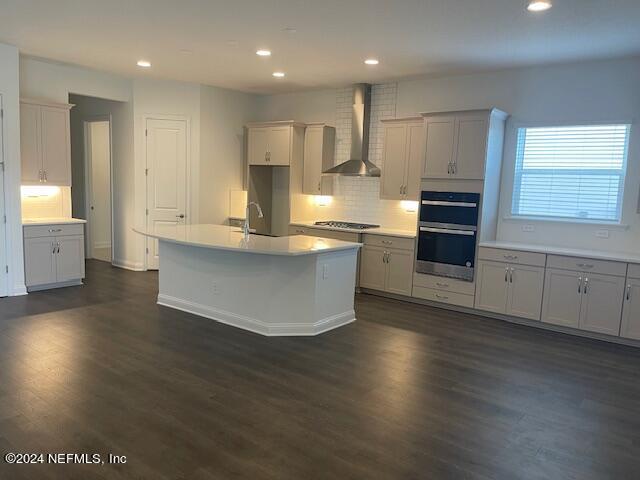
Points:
[[602, 233], [528, 228], [325, 271]]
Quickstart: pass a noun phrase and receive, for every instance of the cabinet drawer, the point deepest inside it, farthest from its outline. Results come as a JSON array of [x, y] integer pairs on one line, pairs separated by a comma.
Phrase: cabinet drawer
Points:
[[577, 264], [516, 257], [444, 284], [389, 242], [634, 271], [37, 231], [451, 298]]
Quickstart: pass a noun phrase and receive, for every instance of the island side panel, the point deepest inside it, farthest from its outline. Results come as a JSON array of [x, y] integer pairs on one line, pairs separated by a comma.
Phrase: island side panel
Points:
[[267, 294]]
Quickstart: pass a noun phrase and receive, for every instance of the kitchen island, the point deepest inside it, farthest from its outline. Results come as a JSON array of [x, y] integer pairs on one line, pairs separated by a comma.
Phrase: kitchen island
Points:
[[276, 286]]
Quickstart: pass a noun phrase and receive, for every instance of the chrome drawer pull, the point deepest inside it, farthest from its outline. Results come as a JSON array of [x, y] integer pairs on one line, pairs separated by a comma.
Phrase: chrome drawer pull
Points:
[[54, 230], [442, 285], [442, 297]]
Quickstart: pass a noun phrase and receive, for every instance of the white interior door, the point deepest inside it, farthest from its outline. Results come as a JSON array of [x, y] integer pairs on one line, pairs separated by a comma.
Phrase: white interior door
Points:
[[166, 178], [3, 230], [98, 165]]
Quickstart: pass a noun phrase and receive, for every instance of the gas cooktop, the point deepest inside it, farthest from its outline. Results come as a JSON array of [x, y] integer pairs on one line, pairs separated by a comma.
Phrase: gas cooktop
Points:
[[353, 226]]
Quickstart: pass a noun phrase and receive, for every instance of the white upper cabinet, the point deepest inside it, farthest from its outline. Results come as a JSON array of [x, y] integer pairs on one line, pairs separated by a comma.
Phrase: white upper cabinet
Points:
[[319, 146], [270, 144], [440, 146], [45, 143], [457, 143], [403, 155]]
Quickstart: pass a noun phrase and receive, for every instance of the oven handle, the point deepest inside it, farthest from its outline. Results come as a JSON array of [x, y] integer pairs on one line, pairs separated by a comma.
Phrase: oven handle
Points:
[[468, 233], [441, 203]]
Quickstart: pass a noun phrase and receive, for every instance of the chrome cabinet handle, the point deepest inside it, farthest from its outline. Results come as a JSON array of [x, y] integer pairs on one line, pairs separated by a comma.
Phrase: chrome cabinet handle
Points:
[[511, 275], [58, 248], [54, 230], [585, 265], [44, 174], [40, 176], [442, 297], [628, 292], [53, 248], [387, 242], [319, 183], [586, 285], [579, 285], [442, 285], [506, 274], [510, 257]]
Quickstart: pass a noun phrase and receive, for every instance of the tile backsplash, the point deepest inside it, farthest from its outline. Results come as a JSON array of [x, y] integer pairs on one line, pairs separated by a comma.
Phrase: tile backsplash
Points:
[[46, 202], [358, 198]]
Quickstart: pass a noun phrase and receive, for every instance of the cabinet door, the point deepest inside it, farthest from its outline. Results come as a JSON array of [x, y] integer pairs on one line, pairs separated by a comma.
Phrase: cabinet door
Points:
[[39, 261], [525, 291], [471, 147], [70, 258], [602, 304], [562, 297], [415, 160], [373, 269], [400, 272], [312, 169], [491, 294], [394, 161], [30, 152], [631, 314], [258, 144], [439, 154], [56, 146], [279, 145]]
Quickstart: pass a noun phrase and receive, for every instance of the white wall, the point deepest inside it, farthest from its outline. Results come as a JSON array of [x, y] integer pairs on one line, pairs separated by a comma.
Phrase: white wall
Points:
[[606, 91], [9, 89], [223, 116]]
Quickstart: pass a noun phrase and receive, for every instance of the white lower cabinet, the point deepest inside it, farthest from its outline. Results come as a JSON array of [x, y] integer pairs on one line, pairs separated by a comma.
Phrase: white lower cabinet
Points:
[[386, 268], [510, 289], [53, 255], [631, 311], [583, 300]]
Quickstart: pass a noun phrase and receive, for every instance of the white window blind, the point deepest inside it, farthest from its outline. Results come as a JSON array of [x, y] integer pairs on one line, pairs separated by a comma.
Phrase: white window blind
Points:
[[574, 172]]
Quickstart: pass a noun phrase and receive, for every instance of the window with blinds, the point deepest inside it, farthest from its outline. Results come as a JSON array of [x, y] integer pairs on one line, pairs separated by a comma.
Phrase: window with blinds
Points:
[[574, 172]]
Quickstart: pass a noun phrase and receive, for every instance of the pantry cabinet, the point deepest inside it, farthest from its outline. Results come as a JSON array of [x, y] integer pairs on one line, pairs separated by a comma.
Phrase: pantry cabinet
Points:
[[386, 264], [319, 146], [45, 143], [271, 144], [403, 156], [459, 145]]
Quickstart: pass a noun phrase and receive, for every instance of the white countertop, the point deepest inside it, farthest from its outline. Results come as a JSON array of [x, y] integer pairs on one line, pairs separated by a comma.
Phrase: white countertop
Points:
[[223, 237], [570, 252], [52, 221], [391, 232]]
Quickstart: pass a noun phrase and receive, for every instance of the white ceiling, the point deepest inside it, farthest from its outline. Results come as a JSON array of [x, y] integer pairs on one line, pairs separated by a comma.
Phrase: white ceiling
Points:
[[214, 42]]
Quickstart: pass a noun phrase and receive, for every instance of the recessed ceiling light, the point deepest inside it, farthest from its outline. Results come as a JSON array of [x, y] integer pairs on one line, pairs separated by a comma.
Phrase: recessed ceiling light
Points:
[[144, 63], [278, 74], [372, 61], [539, 5], [263, 53]]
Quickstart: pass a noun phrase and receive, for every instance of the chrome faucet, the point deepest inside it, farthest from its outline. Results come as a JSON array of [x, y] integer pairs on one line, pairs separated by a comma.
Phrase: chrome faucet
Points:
[[245, 227]]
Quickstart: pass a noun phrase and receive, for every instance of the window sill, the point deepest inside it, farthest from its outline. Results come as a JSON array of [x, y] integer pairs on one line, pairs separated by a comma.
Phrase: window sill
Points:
[[568, 221]]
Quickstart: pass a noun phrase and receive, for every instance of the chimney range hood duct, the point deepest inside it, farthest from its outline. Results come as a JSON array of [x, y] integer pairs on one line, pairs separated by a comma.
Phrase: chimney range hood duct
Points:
[[358, 164]]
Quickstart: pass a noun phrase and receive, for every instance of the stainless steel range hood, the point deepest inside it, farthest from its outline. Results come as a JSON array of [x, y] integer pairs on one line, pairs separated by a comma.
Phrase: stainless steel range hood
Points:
[[358, 164]]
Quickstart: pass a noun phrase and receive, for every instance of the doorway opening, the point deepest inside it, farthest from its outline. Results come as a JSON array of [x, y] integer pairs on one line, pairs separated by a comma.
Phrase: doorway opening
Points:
[[97, 163]]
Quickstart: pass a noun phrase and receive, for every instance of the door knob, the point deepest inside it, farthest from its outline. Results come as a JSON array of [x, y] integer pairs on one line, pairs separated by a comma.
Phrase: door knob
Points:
[[180, 216]]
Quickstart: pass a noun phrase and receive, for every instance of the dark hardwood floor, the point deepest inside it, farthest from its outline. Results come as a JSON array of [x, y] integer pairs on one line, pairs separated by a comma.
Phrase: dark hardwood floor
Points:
[[406, 392]]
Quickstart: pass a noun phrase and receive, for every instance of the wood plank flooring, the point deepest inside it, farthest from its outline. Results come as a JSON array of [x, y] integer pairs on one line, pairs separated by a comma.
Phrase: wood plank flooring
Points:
[[406, 392]]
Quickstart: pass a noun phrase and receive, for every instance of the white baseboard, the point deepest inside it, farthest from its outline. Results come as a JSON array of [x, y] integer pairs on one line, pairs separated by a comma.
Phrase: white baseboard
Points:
[[18, 290], [127, 265], [257, 326], [51, 286]]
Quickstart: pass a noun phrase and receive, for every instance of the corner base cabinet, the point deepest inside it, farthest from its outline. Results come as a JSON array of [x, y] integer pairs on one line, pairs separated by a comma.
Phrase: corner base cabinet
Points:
[[53, 256]]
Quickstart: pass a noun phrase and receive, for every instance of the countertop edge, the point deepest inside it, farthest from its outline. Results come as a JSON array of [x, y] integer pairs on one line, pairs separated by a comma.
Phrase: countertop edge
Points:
[[623, 257], [53, 221]]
